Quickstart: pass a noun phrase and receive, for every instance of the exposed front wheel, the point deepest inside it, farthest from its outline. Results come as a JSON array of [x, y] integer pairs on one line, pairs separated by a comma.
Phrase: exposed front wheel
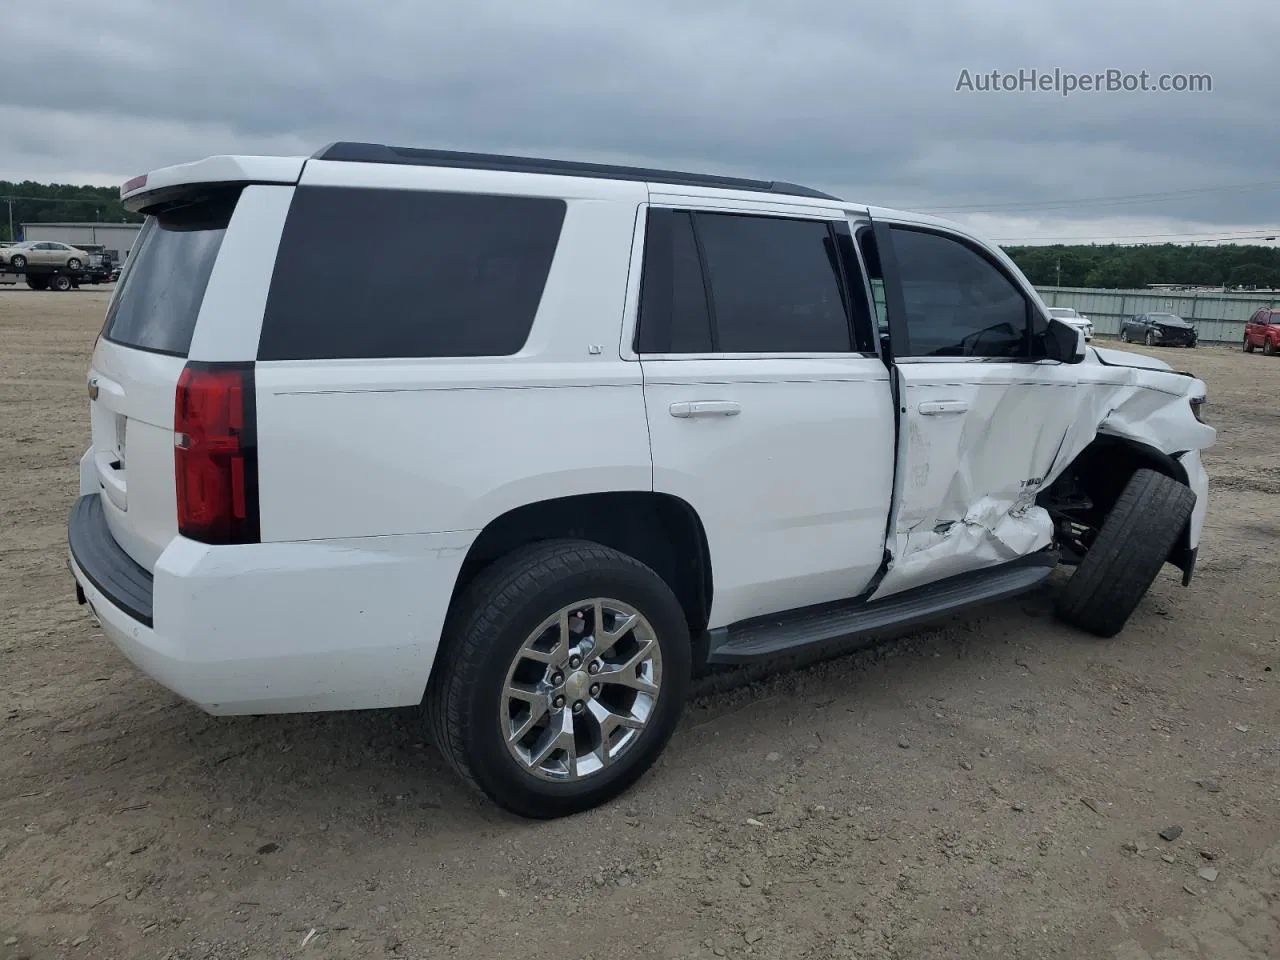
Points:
[[1150, 339], [561, 677], [61, 282], [1124, 559], [1124, 335]]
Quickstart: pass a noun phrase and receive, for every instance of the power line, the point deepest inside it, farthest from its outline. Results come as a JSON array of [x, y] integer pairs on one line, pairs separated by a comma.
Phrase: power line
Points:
[[1198, 238], [94, 200], [1033, 205]]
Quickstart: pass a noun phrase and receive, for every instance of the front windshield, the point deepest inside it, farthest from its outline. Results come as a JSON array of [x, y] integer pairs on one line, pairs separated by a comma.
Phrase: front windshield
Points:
[[1061, 312], [1165, 316]]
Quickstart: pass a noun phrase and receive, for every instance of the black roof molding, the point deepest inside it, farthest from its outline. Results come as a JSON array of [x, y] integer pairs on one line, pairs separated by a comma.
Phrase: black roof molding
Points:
[[415, 156]]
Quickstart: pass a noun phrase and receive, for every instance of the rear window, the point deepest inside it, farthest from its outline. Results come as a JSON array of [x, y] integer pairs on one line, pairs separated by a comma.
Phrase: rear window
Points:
[[163, 283], [367, 274]]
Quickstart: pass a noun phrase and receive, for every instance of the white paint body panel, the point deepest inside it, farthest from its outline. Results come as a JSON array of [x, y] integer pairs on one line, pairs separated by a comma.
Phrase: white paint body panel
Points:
[[296, 627], [793, 490], [134, 414], [451, 444]]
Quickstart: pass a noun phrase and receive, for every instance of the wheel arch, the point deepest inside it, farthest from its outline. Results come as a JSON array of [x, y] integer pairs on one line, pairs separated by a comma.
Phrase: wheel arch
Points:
[[1106, 465], [662, 531]]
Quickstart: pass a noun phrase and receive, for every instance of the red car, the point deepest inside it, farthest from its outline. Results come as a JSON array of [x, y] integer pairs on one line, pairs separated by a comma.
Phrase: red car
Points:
[[1263, 330]]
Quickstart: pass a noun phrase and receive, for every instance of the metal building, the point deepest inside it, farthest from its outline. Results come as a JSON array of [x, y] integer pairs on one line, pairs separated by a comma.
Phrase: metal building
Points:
[[116, 238]]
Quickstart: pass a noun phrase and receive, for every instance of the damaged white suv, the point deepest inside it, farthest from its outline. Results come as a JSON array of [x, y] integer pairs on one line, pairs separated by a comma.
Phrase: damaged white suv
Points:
[[577, 433]]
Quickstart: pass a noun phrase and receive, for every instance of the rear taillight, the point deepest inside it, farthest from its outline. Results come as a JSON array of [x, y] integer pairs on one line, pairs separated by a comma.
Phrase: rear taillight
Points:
[[215, 453]]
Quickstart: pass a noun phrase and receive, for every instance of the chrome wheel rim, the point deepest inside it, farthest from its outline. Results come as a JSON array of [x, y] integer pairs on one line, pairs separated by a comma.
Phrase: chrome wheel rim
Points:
[[581, 690]]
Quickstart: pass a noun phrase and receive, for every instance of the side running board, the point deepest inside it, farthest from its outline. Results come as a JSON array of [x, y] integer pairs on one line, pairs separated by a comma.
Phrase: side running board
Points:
[[798, 630]]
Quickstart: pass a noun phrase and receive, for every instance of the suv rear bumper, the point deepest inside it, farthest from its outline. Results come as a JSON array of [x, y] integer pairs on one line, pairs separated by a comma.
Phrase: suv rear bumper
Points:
[[274, 627]]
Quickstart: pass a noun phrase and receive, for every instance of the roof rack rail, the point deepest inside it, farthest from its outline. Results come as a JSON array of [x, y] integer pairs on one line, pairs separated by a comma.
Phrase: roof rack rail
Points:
[[351, 152]]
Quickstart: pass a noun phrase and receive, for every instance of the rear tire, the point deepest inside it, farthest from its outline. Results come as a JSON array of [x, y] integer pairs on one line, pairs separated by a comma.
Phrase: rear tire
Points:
[[1132, 546], [38, 283], [486, 651], [18, 261], [1268, 348], [73, 263]]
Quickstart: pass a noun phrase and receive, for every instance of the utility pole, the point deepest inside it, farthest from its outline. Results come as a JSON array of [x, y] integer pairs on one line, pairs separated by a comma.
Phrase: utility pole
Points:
[[1059, 283], [12, 236]]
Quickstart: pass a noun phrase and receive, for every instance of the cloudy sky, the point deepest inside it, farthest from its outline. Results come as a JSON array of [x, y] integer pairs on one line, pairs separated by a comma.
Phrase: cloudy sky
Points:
[[857, 98]]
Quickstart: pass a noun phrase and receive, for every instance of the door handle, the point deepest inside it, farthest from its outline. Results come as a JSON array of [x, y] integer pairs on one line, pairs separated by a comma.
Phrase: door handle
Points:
[[705, 408], [932, 408]]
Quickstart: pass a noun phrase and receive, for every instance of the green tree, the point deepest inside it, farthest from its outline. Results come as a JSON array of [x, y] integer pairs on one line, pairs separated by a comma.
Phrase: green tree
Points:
[[31, 202], [1113, 266]]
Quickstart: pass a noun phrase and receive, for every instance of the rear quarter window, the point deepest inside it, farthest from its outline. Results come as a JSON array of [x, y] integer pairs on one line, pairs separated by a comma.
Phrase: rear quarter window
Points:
[[160, 291], [368, 274]]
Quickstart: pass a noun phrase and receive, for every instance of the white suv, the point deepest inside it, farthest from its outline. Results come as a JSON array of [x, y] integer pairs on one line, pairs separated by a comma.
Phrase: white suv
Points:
[[578, 433]]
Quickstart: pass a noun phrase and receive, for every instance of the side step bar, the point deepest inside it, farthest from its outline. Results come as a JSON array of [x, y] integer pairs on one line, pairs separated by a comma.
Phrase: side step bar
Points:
[[797, 630]]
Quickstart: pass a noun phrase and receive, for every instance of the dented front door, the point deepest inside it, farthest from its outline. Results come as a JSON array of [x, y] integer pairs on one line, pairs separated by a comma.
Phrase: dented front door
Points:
[[983, 424], [978, 441]]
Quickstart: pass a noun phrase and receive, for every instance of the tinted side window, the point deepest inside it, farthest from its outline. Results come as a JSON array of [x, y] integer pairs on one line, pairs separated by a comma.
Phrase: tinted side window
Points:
[[958, 303], [673, 298], [368, 274], [775, 284]]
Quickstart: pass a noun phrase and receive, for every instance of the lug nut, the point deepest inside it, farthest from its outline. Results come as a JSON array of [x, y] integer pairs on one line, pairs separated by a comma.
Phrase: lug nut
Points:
[[579, 706], [559, 702], [557, 678], [575, 662], [594, 668], [595, 689]]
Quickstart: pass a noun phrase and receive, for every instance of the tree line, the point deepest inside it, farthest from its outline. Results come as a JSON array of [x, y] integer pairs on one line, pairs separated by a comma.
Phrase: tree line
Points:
[[32, 202], [1124, 267]]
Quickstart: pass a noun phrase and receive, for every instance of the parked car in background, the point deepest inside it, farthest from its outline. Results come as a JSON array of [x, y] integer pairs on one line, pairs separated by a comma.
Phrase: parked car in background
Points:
[[43, 253], [1263, 332], [1069, 316], [1158, 329]]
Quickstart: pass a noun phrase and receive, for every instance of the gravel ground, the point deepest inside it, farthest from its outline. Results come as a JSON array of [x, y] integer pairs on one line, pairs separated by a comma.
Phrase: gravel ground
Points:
[[994, 787]]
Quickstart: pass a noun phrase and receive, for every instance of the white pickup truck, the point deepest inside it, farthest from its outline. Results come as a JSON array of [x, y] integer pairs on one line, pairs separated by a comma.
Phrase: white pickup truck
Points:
[[576, 433]]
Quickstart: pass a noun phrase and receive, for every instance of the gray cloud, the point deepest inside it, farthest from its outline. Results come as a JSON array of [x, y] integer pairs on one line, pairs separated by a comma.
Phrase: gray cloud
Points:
[[856, 98]]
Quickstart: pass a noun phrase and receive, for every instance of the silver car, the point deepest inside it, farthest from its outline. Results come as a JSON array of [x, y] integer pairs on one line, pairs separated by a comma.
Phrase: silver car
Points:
[[43, 253]]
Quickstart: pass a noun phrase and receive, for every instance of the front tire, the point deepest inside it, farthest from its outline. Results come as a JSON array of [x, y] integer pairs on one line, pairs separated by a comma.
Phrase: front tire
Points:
[[1248, 346], [1150, 339], [561, 678], [1268, 348], [60, 282], [1124, 335], [1125, 558]]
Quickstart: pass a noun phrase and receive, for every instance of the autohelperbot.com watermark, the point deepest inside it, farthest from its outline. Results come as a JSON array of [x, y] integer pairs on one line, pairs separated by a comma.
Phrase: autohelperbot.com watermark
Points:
[[1065, 82]]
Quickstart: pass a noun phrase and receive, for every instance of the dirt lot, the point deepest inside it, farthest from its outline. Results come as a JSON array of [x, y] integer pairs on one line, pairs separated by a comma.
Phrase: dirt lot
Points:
[[992, 788]]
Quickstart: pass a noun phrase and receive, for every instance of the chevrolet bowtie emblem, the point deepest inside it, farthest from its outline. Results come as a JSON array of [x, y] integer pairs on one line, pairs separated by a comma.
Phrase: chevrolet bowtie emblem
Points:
[[93, 388]]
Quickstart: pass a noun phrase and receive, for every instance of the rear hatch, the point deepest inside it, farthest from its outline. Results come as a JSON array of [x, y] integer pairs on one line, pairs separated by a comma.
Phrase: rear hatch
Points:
[[136, 365]]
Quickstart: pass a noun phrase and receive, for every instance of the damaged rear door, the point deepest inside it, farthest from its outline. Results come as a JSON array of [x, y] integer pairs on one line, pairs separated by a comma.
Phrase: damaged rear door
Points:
[[984, 417]]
